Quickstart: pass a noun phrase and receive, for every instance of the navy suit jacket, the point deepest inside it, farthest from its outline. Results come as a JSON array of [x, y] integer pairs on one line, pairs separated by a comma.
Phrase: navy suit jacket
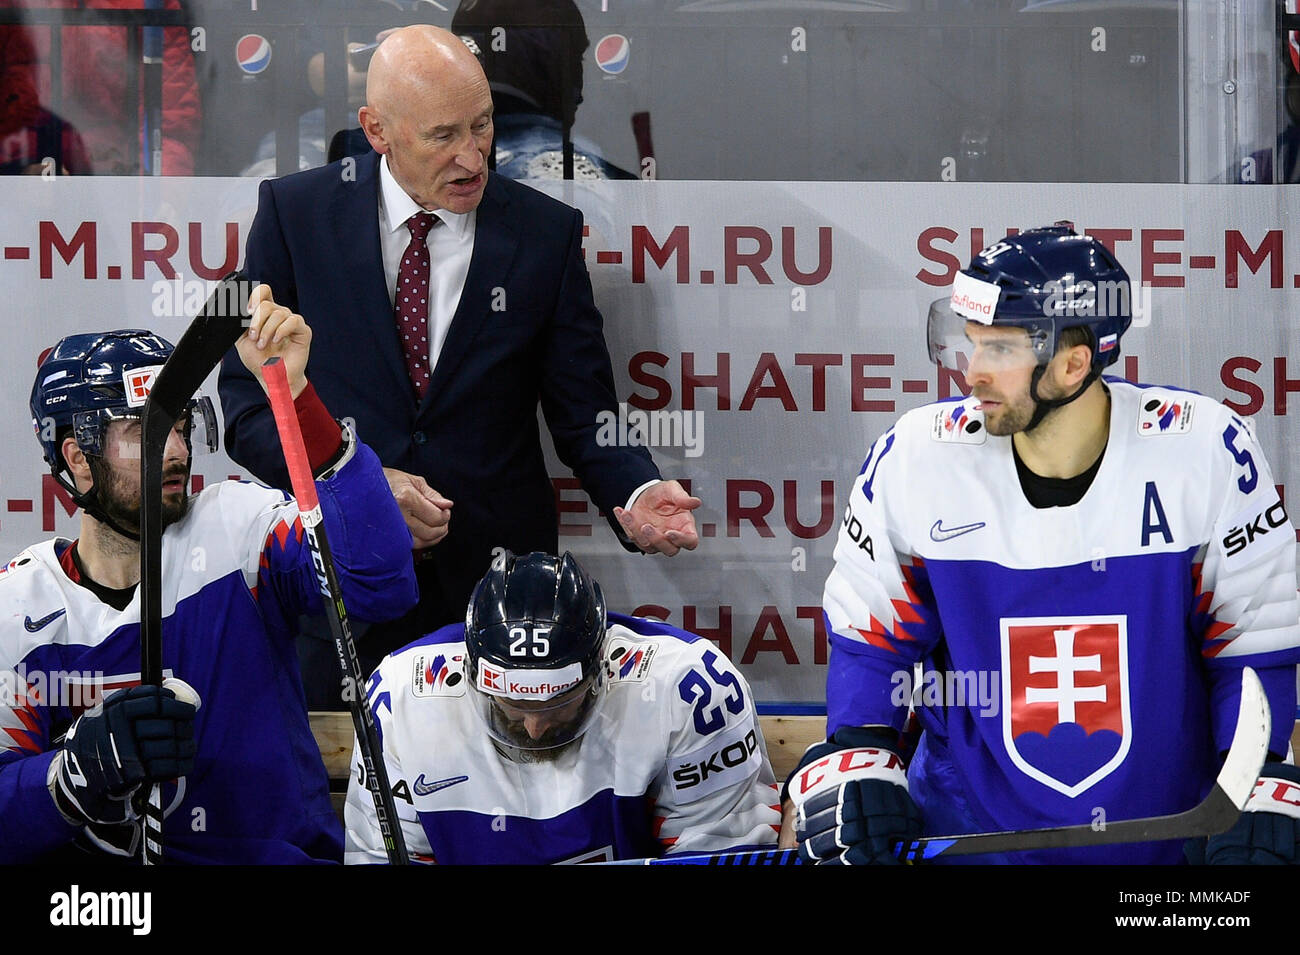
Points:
[[526, 329]]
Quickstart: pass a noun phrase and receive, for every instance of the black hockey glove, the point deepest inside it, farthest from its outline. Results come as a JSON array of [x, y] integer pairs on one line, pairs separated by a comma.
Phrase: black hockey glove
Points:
[[1268, 832], [851, 800], [140, 735]]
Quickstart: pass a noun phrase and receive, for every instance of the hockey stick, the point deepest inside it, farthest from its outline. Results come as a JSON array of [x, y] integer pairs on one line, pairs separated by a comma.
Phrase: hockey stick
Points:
[[1215, 814], [304, 489], [199, 351], [750, 857]]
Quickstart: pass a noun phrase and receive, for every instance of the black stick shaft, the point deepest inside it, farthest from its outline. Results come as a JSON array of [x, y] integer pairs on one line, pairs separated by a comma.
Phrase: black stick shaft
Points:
[[304, 490]]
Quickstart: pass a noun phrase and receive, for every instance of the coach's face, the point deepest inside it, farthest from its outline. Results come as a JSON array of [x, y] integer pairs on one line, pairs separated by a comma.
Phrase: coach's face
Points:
[[429, 111]]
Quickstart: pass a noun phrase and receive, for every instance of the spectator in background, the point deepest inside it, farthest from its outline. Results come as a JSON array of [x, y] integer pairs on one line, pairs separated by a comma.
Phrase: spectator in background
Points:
[[29, 133], [95, 79], [536, 81], [531, 51], [316, 145]]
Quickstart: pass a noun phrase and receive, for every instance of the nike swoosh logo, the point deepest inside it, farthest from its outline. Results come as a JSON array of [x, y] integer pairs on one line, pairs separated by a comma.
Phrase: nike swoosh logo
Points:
[[425, 789], [939, 533], [35, 625]]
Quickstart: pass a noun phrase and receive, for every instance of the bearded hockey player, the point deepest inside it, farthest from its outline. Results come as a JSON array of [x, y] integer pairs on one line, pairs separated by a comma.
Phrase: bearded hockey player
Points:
[[227, 735], [1106, 556], [544, 731]]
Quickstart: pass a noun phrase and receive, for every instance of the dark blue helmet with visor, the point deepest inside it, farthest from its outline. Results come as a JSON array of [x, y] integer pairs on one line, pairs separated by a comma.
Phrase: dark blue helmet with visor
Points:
[[87, 381], [534, 644], [1043, 281]]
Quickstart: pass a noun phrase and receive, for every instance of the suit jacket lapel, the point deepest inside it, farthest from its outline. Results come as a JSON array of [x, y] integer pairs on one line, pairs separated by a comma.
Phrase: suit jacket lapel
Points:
[[355, 219], [495, 242]]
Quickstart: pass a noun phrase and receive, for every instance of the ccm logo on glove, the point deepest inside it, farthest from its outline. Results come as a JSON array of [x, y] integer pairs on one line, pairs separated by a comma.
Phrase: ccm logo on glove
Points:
[[846, 765], [1275, 795]]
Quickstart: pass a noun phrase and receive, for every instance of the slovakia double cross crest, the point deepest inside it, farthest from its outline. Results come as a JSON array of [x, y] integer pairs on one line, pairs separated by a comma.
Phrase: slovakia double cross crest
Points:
[[1066, 719]]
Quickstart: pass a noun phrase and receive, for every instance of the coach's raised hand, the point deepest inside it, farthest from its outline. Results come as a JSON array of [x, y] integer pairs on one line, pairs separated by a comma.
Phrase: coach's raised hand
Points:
[[275, 332]]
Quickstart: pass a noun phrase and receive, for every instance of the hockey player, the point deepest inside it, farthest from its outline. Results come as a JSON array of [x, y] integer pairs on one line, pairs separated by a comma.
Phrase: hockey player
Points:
[[1082, 565], [228, 735], [541, 731]]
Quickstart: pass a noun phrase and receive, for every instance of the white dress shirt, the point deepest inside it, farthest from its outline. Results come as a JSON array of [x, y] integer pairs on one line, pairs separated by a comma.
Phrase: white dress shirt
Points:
[[450, 243], [451, 246]]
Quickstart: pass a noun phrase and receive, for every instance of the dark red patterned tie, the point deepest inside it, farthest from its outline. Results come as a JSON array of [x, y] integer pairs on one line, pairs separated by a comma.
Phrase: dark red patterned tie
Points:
[[411, 302]]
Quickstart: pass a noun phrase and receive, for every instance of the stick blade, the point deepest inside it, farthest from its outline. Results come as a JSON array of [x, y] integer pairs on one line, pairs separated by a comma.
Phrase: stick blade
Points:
[[209, 336], [1217, 813], [1249, 741]]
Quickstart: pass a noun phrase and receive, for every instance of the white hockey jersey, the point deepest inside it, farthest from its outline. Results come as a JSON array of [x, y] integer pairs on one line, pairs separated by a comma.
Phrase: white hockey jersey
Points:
[[237, 573], [1079, 657], [674, 762]]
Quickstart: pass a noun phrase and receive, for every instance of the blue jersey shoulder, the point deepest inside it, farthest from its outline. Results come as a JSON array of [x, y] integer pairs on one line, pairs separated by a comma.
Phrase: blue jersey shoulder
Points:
[[451, 633], [652, 628]]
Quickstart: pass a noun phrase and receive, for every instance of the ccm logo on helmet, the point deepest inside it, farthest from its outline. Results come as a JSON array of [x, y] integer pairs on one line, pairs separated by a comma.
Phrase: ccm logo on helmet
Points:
[[693, 774], [1239, 538]]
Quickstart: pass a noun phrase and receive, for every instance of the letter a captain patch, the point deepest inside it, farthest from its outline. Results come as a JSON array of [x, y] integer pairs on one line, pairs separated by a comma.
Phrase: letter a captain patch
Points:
[[1065, 717]]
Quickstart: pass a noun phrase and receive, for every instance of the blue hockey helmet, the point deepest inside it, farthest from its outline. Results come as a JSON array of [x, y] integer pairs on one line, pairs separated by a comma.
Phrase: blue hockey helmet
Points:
[[534, 643], [1044, 280], [85, 381]]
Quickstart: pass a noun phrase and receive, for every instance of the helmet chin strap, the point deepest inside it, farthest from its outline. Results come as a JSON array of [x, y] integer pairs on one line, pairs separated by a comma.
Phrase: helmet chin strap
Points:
[[1043, 405]]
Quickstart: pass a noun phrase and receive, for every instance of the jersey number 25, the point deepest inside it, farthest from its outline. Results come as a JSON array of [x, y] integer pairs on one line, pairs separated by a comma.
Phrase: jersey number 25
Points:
[[695, 688]]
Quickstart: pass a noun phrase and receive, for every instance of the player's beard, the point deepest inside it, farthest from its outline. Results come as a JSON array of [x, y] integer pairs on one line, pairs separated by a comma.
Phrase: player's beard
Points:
[[519, 754], [1013, 414], [120, 498], [545, 749], [1011, 417]]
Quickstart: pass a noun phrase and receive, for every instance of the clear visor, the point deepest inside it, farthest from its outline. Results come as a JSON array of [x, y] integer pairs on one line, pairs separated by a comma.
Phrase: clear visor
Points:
[[956, 343], [536, 726], [198, 425]]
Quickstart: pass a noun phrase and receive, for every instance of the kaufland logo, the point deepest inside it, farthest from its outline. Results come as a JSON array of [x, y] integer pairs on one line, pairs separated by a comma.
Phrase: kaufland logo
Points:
[[529, 684], [966, 303], [974, 300], [540, 691], [138, 382], [491, 679]]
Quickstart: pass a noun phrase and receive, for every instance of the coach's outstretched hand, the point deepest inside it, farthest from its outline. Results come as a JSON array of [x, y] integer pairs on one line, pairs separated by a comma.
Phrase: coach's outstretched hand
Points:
[[660, 519]]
